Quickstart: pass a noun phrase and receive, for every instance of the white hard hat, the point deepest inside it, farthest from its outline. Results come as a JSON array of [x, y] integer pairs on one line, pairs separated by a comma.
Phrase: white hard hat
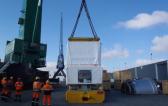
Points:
[[37, 78]]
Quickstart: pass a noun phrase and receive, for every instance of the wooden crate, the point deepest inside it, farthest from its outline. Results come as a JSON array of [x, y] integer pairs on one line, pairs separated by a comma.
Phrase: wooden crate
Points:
[[117, 84], [106, 76], [165, 87], [107, 85], [116, 75], [125, 75]]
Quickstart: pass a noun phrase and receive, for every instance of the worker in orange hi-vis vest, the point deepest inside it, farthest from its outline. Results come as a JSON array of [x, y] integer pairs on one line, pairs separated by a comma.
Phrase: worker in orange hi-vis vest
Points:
[[5, 90], [47, 90], [37, 85], [18, 88]]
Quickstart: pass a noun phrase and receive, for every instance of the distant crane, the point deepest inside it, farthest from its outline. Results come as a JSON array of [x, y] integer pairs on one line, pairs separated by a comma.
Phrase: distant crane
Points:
[[60, 62]]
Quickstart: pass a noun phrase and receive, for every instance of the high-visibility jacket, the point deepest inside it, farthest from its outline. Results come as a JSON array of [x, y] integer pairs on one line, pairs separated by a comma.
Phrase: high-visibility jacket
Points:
[[37, 86], [47, 89], [4, 83], [19, 85]]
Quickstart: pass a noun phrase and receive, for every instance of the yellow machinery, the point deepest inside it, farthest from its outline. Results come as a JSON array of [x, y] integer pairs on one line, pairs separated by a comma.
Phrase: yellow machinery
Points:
[[84, 80], [90, 96], [84, 72]]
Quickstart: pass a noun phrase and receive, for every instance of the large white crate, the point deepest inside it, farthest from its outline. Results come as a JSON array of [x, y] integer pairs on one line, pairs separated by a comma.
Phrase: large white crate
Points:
[[73, 74], [84, 52], [84, 62]]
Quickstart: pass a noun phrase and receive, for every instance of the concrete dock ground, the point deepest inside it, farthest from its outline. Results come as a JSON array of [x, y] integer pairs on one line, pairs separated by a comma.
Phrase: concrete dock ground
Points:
[[113, 98]]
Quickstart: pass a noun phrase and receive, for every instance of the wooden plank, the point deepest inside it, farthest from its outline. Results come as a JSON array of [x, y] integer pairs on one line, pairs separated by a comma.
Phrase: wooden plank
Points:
[[165, 87]]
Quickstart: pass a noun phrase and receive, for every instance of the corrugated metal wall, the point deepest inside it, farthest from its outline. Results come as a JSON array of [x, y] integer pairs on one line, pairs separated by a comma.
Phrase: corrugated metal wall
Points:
[[157, 71], [147, 71], [162, 71], [132, 70]]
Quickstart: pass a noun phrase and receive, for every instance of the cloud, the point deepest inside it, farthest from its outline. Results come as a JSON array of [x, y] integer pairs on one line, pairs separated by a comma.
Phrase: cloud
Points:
[[160, 44], [144, 20], [139, 51], [51, 67], [143, 61], [116, 52], [140, 62], [51, 64]]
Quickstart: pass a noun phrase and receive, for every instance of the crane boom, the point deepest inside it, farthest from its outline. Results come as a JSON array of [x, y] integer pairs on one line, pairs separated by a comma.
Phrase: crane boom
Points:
[[60, 62]]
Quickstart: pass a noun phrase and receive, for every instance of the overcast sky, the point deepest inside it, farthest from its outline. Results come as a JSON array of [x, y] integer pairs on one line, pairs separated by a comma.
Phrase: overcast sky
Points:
[[130, 30]]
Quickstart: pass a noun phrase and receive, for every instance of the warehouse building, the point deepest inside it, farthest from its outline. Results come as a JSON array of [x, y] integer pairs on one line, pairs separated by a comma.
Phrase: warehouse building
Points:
[[158, 71]]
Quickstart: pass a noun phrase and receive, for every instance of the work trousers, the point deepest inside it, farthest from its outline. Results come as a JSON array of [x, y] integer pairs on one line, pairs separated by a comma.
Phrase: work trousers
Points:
[[18, 95], [35, 98], [47, 100], [4, 94], [5, 91], [36, 95]]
